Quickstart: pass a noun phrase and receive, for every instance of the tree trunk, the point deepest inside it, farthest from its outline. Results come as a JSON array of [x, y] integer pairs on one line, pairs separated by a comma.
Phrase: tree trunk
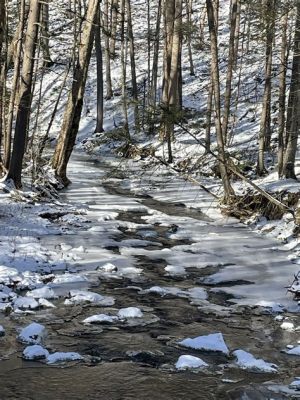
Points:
[[132, 65], [15, 82], [113, 30], [228, 191], [124, 70], [265, 129], [293, 115], [70, 125], [98, 47], [282, 90], [45, 34], [230, 66], [109, 91], [24, 95], [189, 6]]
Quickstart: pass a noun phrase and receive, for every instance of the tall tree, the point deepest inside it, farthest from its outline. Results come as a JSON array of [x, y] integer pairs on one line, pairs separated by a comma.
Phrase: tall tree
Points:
[[228, 191], [72, 114], [293, 113], [98, 47], [24, 95]]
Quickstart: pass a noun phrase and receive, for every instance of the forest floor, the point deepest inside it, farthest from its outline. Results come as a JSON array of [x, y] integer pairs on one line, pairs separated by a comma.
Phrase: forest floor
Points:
[[134, 295]]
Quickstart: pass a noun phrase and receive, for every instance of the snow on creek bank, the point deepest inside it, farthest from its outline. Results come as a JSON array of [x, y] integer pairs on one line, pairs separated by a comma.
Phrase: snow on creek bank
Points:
[[107, 276]]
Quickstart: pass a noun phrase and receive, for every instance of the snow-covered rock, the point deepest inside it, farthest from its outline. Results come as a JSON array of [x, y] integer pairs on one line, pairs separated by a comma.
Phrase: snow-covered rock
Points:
[[100, 319], [212, 342], [46, 303], [287, 326], [295, 384], [25, 303], [108, 267], [130, 312], [84, 296], [190, 362], [295, 351], [32, 334], [246, 360], [35, 352], [45, 292], [63, 357]]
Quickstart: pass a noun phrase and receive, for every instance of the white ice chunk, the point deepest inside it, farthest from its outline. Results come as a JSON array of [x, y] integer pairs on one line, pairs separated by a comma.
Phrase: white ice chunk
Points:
[[130, 312], [69, 278], [212, 342], [8, 274], [248, 361], [84, 296], [46, 303], [175, 270], [35, 352], [32, 334], [61, 357], [108, 267], [45, 292], [287, 326], [295, 384], [100, 319], [295, 351], [25, 303], [190, 362]]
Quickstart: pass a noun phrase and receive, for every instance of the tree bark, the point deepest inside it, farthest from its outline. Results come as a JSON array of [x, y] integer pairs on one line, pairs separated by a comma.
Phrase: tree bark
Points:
[[293, 114], [228, 191], [70, 125], [24, 95], [99, 60]]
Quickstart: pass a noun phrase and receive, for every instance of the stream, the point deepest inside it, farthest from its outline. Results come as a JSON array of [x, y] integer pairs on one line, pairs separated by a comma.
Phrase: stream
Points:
[[221, 278]]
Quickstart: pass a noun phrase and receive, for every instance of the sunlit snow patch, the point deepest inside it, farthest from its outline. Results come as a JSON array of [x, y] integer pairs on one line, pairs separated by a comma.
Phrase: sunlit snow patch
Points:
[[190, 362], [295, 351], [248, 361], [212, 342]]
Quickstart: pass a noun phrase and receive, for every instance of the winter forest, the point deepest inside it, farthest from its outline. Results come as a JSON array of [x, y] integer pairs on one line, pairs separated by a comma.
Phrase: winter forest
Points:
[[149, 199]]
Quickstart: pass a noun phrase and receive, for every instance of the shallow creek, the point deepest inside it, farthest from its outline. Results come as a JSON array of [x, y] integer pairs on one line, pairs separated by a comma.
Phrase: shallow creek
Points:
[[136, 359]]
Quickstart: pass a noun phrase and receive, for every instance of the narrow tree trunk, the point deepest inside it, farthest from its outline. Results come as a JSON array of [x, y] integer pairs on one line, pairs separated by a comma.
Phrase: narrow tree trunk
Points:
[[14, 88], [114, 24], [45, 34], [98, 47], [282, 90], [3, 40], [109, 91], [70, 125], [230, 66], [132, 65], [293, 115], [24, 95], [228, 191], [188, 4], [124, 70], [265, 129]]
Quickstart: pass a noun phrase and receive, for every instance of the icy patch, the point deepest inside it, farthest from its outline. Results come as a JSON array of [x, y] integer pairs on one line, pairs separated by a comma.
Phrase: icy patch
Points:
[[212, 342], [100, 319], [248, 361], [84, 296], [295, 384], [190, 362], [63, 357], [108, 267], [32, 334], [130, 312], [45, 303], [35, 352]]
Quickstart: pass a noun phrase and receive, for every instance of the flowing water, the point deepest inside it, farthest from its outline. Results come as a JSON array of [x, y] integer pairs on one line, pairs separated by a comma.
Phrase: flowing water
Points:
[[136, 360]]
